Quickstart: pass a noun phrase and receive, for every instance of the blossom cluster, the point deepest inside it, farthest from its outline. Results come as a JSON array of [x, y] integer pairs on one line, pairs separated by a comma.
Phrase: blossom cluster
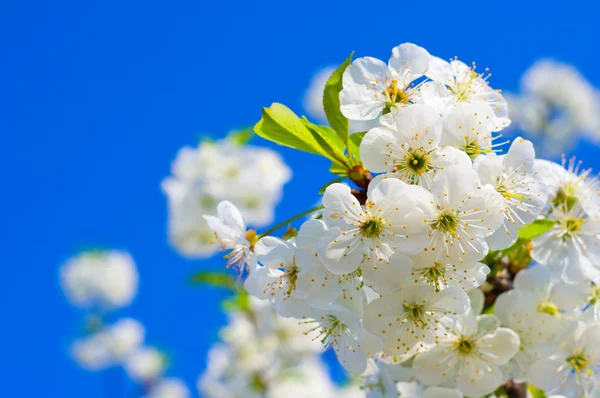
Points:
[[251, 177], [391, 275], [265, 355], [556, 102], [102, 281]]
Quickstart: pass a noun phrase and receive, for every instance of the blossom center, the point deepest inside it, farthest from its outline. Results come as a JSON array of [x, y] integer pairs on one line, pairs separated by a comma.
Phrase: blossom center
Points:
[[579, 362], [547, 308], [434, 274], [571, 226], [372, 228], [465, 346], [396, 94], [595, 296], [415, 313], [566, 197], [418, 160], [447, 221], [471, 147], [291, 275]]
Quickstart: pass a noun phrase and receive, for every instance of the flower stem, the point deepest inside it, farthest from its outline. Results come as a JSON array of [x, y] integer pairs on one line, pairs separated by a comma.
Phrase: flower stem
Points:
[[289, 220]]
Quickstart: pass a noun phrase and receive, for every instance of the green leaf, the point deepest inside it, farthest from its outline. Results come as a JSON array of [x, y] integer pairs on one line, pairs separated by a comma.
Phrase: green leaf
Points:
[[354, 147], [280, 125], [241, 137], [214, 278], [238, 302], [488, 310], [331, 101], [336, 168], [324, 187], [535, 229], [535, 392], [332, 147]]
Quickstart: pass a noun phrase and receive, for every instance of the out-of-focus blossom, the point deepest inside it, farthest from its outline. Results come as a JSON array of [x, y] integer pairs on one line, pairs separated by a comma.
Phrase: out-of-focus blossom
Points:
[[169, 388], [146, 364], [556, 103], [109, 346], [104, 279], [250, 177]]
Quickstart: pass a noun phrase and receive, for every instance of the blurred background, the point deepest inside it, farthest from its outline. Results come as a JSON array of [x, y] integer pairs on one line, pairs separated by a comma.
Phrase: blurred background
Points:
[[98, 96]]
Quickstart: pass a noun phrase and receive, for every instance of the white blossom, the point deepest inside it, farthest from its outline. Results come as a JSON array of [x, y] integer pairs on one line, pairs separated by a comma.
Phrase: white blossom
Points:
[[411, 317], [169, 388], [407, 146], [230, 231], [105, 279], [454, 83], [369, 85], [371, 236], [108, 346], [460, 215], [572, 367], [469, 356], [146, 365], [470, 127], [523, 194]]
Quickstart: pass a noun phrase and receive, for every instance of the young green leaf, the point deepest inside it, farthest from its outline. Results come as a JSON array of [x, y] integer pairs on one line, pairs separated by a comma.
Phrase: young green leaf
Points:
[[324, 187], [241, 137], [354, 147], [280, 125], [331, 101], [214, 278], [330, 144], [536, 228], [535, 392]]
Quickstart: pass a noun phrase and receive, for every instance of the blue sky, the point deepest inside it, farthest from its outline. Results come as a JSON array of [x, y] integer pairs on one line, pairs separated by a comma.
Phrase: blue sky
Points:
[[97, 96]]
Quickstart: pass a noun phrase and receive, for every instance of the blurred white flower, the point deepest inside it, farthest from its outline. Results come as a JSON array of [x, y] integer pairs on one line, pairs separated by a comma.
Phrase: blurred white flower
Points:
[[169, 388], [146, 365], [556, 104], [252, 178], [104, 279], [109, 346]]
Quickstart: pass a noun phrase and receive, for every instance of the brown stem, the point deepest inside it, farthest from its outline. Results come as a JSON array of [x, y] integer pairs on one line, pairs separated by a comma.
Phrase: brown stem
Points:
[[360, 194], [515, 390]]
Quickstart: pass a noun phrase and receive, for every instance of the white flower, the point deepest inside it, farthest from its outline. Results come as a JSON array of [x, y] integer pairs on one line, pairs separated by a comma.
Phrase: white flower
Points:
[[469, 128], [523, 194], [407, 146], [439, 273], [569, 184], [188, 230], [460, 215], [249, 177], [309, 379], [410, 318], [146, 365], [470, 356], [392, 381], [522, 312], [572, 246], [276, 279], [341, 329], [572, 368], [314, 283], [462, 85], [230, 231], [107, 279], [372, 236], [566, 104], [169, 388], [108, 346], [369, 85]]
